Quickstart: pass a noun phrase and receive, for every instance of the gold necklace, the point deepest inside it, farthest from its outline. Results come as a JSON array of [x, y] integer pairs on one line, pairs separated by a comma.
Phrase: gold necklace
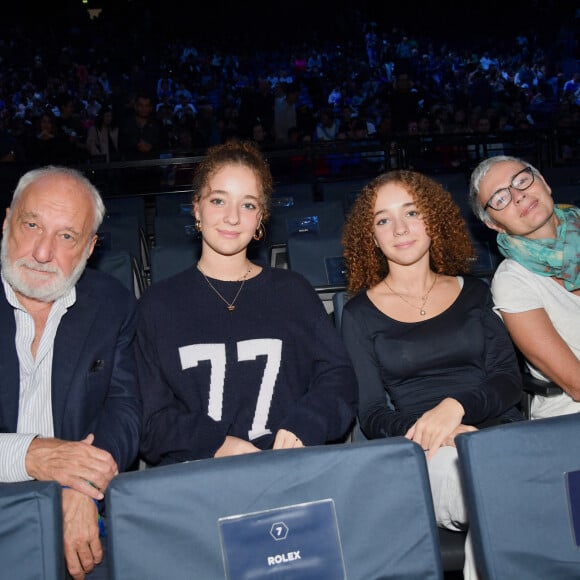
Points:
[[230, 305], [424, 298]]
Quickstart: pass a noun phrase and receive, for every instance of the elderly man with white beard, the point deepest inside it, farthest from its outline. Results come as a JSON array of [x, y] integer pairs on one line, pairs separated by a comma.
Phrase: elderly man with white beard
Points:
[[69, 405]]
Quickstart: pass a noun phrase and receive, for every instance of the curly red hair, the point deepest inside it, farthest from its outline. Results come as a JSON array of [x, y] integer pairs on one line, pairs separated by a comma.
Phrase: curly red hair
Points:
[[451, 249]]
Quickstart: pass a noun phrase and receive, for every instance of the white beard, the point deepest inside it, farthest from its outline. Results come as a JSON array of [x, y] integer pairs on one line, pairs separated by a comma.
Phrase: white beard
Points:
[[48, 291]]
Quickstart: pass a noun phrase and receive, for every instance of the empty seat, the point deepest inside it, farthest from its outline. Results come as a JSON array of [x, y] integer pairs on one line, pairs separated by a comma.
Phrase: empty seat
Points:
[[345, 191], [319, 259], [293, 193], [128, 205], [31, 545], [173, 203], [171, 259], [174, 229], [317, 217], [123, 232], [522, 486], [122, 265]]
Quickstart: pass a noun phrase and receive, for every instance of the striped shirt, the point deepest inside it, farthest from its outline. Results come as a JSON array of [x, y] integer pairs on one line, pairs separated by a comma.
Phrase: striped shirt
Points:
[[35, 401]]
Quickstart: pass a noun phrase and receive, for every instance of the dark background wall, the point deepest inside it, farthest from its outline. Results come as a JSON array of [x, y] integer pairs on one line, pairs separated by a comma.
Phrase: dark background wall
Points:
[[273, 21]]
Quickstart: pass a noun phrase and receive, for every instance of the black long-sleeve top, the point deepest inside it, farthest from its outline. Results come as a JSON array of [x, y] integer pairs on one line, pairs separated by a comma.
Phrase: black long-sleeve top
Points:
[[405, 369]]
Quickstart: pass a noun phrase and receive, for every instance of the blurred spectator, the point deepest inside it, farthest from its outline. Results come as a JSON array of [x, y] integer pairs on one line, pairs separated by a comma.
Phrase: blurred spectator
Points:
[[327, 128], [68, 120], [103, 137], [259, 135], [9, 145], [141, 135], [234, 79], [572, 85], [47, 144], [285, 111]]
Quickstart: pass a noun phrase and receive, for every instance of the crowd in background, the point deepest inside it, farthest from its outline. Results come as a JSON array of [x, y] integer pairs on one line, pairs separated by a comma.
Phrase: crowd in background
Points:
[[75, 95]]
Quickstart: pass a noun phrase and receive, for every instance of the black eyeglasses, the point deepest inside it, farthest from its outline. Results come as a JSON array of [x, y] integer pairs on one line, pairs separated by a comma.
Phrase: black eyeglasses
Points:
[[502, 197]]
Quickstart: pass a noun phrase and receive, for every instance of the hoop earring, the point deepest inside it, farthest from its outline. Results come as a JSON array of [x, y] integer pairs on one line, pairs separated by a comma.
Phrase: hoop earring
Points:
[[260, 232], [198, 225]]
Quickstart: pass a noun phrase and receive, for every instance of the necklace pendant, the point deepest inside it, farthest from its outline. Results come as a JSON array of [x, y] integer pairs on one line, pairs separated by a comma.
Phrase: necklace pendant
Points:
[[231, 307], [422, 312]]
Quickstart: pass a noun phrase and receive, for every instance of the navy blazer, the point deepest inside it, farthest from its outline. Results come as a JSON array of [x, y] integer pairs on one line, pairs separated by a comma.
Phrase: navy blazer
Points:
[[94, 379]]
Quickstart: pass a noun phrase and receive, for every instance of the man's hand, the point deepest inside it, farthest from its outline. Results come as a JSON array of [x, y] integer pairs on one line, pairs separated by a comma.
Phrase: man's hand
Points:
[[76, 464], [286, 440], [235, 446], [82, 546]]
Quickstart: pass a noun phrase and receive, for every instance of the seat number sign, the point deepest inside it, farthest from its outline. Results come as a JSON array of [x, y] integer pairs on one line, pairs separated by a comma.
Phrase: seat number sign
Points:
[[297, 542]]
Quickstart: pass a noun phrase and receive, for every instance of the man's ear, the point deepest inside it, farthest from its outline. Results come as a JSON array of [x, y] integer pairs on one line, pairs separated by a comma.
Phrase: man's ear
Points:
[[5, 220], [92, 245]]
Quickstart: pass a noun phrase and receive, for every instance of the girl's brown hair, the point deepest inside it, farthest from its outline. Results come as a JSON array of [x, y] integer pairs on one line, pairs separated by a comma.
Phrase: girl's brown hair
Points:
[[235, 152]]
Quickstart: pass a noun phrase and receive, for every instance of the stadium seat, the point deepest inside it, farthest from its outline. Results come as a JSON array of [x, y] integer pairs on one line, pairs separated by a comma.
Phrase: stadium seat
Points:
[[318, 258], [167, 260], [174, 257], [122, 265], [133, 205], [326, 218], [174, 229], [292, 193], [345, 191], [522, 486], [31, 545], [317, 217], [128, 205], [177, 203], [364, 507], [123, 232]]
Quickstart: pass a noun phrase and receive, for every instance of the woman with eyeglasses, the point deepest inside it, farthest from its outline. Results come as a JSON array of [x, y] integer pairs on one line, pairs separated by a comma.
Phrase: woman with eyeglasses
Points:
[[432, 358], [536, 289]]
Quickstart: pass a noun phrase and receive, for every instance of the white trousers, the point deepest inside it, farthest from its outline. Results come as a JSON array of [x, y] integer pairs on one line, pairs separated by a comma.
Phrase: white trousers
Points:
[[448, 501]]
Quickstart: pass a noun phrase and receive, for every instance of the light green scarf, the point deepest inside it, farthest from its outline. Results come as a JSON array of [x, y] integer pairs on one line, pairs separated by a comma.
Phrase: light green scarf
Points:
[[558, 257]]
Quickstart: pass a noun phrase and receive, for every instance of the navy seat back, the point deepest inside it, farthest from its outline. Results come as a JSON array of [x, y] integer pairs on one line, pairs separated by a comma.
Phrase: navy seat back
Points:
[[178, 203], [128, 205], [31, 545], [322, 217], [318, 258], [515, 479], [122, 265], [172, 259], [123, 232], [163, 522]]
